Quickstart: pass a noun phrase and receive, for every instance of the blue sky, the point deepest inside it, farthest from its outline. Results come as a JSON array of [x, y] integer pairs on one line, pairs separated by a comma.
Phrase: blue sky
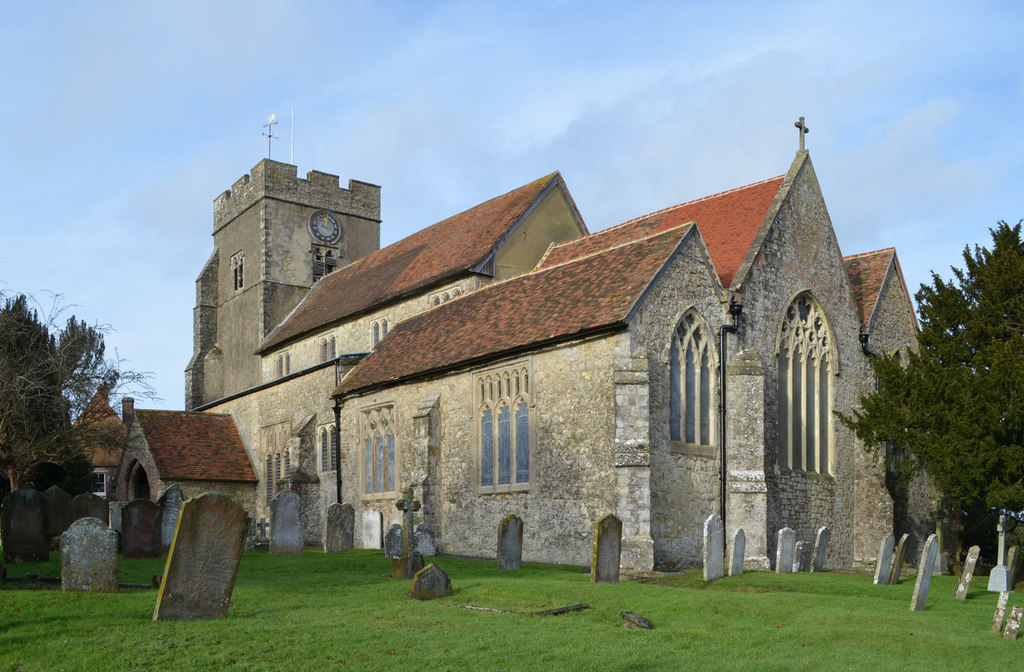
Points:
[[123, 121]]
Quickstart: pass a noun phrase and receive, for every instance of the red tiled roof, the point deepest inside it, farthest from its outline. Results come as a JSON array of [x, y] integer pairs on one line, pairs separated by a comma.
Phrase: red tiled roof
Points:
[[867, 273], [195, 446], [728, 222], [102, 430], [444, 250], [551, 304]]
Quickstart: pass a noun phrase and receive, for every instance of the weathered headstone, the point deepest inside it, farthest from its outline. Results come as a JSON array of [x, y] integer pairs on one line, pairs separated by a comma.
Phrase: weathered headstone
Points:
[[250, 535], [1012, 566], [965, 578], [714, 548], [170, 505], [884, 563], [997, 618], [802, 553], [58, 515], [24, 527], [821, 540], [140, 529], [634, 621], [785, 551], [114, 512], [739, 549], [203, 560], [341, 521], [393, 541], [286, 524], [1013, 623], [88, 505], [424, 541], [924, 574], [899, 556], [604, 566], [88, 557], [430, 583], [999, 577], [373, 532], [510, 542]]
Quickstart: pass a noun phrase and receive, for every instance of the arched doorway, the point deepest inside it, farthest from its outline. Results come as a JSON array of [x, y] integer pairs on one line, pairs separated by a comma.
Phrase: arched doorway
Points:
[[138, 482]]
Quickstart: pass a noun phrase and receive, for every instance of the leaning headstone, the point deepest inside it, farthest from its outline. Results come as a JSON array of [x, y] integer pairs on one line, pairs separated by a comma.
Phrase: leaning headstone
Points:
[[997, 618], [424, 541], [785, 551], [286, 524], [965, 578], [373, 532], [604, 567], [24, 528], [510, 542], [88, 505], [714, 548], [140, 529], [899, 555], [924, 574], [821, 548], [58, 516], [88, 557], [739, 549], [634, 621], [393, 541], [883, 565], [114, 514], [341, 520], [1012, 623], [203, 560], [802, 556], [430, 583], [170, 505]]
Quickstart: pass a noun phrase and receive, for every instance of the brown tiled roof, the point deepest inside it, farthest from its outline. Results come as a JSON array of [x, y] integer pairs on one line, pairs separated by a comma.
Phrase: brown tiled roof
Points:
[[728, 222], [102, 431], [437, 253], [548, 305], [195, 446], [867, 273]]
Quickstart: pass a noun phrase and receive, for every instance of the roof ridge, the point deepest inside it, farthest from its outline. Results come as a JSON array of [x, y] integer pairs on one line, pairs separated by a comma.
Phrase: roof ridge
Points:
[[851, 257], [603, 250]]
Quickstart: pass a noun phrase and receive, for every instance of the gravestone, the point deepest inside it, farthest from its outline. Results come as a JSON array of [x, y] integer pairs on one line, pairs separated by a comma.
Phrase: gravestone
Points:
[[170, 505], [286, 524], [924, 574], [883, 565], [510, 542], [58, 516], [424, 541], [739, 549], [899, 556], [88, 557], [999, 577], [802, 556], [203, 561], [714, 548], [341, 521], [430, 583], [821, 548], [393, 542], [140, 529], [24, 527], [1012, 623], [1012, 566], [410, 561], [250, 535], [997, 618], [373, 529], [965, 578], [88, 505], [634, 621], [785, 551], [604, 567], [114, 511]]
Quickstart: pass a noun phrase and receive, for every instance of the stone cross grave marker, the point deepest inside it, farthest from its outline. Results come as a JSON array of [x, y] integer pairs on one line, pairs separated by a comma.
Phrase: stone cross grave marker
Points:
[[821, 540], [510, 542], [341, 522], [997, 617], [411, 561], [170, 505], [286, 524], [899, 556], [140, 531], [1013, 623], [785, 551], [802, 556], [999, 577], [739, 549], [424, 541], [714, 548], [604, 567], [250, 535], [968, 573], [24, 527], [883, 565], [203, 562], [58, 514], [373, 529], [88, 557], [924, 574], [88, 505], [393, 541]]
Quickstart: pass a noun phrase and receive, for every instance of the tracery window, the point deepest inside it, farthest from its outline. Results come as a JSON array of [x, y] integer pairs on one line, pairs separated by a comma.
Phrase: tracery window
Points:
[[806, 356], [503, 403], [378, 434], [692, 383]]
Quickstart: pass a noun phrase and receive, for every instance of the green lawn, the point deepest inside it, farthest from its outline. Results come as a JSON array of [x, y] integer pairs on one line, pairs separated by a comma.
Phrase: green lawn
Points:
[[321, 612]]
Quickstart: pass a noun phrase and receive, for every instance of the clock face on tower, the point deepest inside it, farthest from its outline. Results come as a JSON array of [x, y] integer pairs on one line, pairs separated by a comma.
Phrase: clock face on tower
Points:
[[324, 227]]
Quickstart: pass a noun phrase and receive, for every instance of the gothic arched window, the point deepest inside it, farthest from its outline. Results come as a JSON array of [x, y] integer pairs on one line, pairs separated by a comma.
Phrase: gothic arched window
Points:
[[379, 450], [692, 384], [503, 413]]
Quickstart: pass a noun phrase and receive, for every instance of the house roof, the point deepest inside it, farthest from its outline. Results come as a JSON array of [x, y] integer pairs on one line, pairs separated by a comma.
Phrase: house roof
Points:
[[558, 302], [728, 222], [867, 273], [195, 446], [103, 431], [437, 253]]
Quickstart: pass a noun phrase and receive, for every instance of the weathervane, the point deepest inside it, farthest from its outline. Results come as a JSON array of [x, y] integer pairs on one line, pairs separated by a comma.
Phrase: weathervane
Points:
[[803, 131], [272, 121]]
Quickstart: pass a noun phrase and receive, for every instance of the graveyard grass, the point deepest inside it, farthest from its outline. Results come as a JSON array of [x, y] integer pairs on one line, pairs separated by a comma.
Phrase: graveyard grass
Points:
[[342, 611]]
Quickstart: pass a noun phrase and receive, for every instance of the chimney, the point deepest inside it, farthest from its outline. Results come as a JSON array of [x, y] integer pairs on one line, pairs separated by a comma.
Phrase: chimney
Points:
[[127, 410]]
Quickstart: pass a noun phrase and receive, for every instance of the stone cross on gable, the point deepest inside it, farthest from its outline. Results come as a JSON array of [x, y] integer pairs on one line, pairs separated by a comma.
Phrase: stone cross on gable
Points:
[[803, 131]]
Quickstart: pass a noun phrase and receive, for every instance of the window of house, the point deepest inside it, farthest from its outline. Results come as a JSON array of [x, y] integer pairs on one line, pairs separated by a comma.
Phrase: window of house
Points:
[[378, 435], [805, 364], [237, 271], [99, 483], [692, 383], [503, 409], [328, 442]]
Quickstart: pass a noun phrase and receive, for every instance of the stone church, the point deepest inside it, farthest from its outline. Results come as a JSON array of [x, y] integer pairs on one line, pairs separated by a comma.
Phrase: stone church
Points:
[[506, 360]]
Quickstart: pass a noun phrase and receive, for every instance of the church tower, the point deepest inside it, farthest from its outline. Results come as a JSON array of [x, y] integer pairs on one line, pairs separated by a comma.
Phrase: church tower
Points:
[[274, 235]]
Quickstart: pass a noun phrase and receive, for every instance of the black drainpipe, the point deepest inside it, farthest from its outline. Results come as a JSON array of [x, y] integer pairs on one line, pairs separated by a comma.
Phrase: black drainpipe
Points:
[[735, 309], [337, 433]]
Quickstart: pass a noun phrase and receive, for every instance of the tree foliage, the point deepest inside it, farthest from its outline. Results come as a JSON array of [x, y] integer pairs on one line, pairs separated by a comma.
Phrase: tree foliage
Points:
[[957, 406]]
